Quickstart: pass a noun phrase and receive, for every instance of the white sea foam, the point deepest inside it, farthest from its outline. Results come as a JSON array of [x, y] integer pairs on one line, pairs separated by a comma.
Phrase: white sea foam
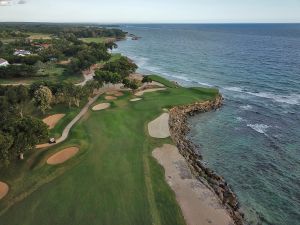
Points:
[[293, 99], [240, 119], [260, 128], [236, 89], [246, 107], [205, 84]]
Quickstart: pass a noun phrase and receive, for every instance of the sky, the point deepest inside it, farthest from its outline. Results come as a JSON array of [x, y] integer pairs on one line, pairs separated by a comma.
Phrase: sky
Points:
[[151, 11]]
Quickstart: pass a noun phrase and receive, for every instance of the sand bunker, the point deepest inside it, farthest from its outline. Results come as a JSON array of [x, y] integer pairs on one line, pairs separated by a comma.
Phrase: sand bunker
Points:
[[62, 156], [3, 189], [135, 99], [101, 106], [52, 120], [140, 93], [159, 128], [110, 97], [115, 93], [198, 203]]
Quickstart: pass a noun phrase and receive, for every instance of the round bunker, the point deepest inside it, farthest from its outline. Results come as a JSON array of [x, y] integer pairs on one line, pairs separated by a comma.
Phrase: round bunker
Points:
[[3, 189], [101, 106], [110, 97], [62, 156], [135, 99]]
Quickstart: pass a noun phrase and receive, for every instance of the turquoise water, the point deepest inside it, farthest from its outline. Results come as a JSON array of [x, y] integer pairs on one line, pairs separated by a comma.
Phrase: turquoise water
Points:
[[254, 140]]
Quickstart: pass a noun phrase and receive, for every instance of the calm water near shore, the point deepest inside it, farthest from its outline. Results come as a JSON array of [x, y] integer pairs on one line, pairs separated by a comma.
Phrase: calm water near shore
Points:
[[254, 140]]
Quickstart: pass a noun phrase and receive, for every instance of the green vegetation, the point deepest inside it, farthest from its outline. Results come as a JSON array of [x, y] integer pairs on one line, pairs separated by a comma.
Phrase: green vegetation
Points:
[[113, 180], [49, 44], [163, 81], [96, 40]]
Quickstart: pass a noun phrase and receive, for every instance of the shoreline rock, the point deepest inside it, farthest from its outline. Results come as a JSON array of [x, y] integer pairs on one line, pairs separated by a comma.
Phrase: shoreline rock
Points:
[[179, 129]]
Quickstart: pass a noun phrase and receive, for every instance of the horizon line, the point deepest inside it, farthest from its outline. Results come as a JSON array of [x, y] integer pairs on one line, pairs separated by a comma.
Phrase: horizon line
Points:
[[153, 23]]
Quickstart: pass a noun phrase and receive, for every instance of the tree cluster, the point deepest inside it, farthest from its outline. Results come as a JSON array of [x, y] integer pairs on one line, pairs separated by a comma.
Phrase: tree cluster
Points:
[[19, 133], [123, 66], [116, 72], [17, 71]]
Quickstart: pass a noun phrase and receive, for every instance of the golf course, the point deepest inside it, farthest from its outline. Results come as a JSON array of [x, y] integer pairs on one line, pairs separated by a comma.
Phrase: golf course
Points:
[[112, 177]]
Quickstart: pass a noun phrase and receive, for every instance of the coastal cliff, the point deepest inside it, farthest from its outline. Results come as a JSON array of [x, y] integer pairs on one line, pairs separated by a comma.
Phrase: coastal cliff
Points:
[[179, 129]]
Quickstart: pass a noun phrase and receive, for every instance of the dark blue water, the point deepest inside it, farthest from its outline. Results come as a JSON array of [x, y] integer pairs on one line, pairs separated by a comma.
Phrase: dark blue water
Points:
[[254, 140]]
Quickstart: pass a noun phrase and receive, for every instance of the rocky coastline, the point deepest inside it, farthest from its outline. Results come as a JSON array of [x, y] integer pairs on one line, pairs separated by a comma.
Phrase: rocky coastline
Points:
[[179, 129]]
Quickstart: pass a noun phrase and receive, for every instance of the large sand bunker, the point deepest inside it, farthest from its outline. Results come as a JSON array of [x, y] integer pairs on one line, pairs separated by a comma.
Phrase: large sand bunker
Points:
[[135, 99], [3, 189], [52, 120], [140, 93], [110, 97], [159, 128], [62, 156], [101, 106], [199, 204]]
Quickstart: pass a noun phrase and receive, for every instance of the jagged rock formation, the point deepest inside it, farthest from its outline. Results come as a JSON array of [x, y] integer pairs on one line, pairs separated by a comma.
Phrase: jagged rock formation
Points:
[[179, 129]]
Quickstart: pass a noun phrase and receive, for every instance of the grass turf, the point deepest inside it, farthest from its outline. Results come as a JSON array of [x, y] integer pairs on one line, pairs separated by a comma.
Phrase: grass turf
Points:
[[113, 180], [97, 39], [54, 73]]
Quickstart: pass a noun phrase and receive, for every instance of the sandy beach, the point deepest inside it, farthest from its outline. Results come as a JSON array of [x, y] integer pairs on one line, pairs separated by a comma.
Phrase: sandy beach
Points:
[[199, 205]]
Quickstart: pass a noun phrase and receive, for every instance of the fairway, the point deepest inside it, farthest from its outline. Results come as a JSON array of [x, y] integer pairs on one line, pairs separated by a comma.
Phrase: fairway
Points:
[[98, 40], [113, 179]]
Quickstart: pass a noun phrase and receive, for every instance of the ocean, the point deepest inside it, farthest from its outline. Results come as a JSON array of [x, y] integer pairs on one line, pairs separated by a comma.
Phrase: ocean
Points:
[[253, 141]]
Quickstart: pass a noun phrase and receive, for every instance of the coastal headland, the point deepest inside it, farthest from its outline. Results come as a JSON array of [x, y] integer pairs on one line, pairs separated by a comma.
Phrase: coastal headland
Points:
[[116, 148], [108, 149]]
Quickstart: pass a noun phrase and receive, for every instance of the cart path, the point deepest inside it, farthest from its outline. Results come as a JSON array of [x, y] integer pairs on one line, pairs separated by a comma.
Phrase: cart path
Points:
[[67, 129]]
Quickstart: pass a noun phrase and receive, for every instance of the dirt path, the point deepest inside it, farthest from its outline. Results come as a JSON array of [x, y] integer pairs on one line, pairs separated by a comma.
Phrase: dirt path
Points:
[[140, 93], [87, 77]]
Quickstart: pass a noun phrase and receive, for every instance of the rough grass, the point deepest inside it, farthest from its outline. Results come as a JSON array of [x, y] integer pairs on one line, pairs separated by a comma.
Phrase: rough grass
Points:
[[54, 73], [39, 36], [97, 39], [163, 81], [113, 179]]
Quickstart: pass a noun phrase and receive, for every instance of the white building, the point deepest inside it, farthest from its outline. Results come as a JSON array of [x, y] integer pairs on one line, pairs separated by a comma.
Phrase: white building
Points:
[[20, 52], [3, 62]]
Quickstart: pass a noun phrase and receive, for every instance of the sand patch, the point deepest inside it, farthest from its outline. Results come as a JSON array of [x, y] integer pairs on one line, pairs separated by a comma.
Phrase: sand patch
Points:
[[136, 76], [115, 93], [101, 106], [62, 156], [135, 99], [159, 128], [110, 97], [3, 189], [199, 204], [52, 120], [64, 62], [140, 93]]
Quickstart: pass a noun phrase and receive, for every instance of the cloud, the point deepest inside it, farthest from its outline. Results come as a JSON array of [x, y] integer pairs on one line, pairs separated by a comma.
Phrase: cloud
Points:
[[12, 2], [5, 2], [21, 2]]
